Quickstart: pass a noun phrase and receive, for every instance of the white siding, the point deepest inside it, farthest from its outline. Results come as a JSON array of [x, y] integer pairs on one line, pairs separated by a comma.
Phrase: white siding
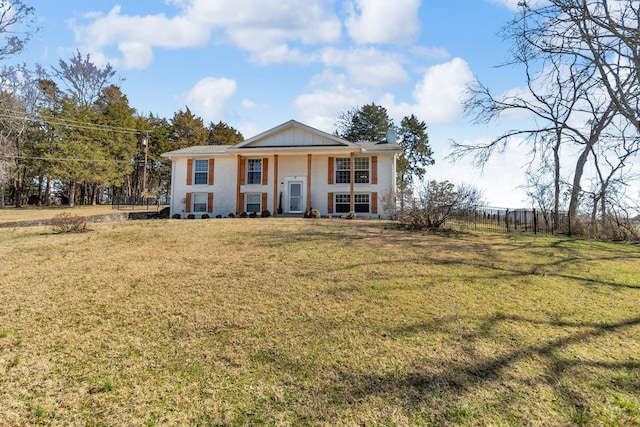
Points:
[[289, 167], [294, 137]]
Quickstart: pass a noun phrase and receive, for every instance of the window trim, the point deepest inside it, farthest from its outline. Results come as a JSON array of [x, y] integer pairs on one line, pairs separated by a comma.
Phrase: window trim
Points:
[[246, 202], [342, 174], [201, 173], [194, 196], [253, 173], [346, 200]]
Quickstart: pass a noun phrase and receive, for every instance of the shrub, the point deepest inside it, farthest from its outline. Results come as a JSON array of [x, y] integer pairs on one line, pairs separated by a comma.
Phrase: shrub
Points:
[[266, 213], [176, 216], [205, 216], [191, 216], [253, 215], [68, 223], [218, 216], [313, 213], [429, 208]]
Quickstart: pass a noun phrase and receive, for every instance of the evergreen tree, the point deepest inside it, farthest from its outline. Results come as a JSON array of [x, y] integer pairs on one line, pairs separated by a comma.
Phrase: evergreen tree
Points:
[[223, 134], [187, 130]]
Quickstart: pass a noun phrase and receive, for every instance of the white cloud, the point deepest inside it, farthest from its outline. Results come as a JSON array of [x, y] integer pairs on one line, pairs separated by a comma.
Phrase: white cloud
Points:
[[440, 94], [136, 55], [383, 21], [209, 96], [369, 67], [332, 94], [249, 105], [438, 97], [430, 52], [265, 28]]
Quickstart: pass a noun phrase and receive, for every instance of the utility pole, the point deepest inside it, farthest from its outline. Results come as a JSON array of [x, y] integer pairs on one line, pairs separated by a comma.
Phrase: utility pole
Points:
[[145, 143]]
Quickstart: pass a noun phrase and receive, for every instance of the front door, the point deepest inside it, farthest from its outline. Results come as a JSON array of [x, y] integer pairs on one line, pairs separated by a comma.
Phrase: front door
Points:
[[295, 197]]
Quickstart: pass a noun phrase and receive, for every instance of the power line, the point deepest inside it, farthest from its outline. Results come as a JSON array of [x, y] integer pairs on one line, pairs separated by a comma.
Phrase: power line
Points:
[[16, 115], [65, 159]]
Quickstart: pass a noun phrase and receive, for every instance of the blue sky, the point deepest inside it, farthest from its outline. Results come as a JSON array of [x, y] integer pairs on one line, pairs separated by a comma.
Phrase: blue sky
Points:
[[257, 63]]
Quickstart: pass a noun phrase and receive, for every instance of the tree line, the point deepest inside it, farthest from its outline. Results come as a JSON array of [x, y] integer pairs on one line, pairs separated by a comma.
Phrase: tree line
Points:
[[69, 135]]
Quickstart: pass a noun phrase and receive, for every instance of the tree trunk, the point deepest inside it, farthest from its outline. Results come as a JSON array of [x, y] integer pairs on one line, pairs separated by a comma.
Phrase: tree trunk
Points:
[[47, 193], [577, 178], [72, 193], [556, 180]]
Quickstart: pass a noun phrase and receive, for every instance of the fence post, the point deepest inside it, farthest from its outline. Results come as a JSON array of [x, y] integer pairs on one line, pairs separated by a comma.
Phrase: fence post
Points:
[[535, 222], [506, 219]]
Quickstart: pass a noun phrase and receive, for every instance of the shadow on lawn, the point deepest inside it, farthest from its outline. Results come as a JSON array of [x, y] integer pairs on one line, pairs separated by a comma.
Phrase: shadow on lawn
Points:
[[434, 388], [460, 378], [441, 384]]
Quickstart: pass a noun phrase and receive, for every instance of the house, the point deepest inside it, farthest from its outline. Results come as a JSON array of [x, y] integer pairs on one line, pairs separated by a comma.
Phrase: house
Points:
[[289, 169]]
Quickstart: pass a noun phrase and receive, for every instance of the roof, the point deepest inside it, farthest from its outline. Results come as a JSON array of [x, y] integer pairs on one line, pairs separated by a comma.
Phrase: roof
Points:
[[289, 137], [198, 150]]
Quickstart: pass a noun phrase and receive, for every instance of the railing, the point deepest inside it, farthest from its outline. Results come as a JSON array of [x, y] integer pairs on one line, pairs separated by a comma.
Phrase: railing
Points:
[[132, 203], [510, 220]]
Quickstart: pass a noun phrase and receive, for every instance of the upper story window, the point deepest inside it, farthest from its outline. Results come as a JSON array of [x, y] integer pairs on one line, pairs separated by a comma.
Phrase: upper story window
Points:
[[201, 172], [361, 168], [343, 170], [254, 171]]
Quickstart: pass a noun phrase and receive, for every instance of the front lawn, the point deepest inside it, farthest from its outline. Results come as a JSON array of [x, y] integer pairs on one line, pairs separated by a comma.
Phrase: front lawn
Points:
[[315, 322]]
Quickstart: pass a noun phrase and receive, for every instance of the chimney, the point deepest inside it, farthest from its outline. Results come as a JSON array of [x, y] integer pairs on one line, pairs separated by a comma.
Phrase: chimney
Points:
[[391, 136]]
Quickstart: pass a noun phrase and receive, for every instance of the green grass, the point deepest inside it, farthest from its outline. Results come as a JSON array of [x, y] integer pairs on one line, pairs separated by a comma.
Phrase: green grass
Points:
[[315, 322]]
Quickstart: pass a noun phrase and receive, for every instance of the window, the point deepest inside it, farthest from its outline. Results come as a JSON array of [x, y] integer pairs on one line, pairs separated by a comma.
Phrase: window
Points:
[[343, 170], [254, 202], [199, 202], [201, 172], [343, 203], [361, 203], [254, 172], [361, 168]]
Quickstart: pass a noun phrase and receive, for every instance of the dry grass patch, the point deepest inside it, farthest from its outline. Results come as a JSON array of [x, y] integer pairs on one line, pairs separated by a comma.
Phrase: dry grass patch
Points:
[[31, 213], [299, 322]]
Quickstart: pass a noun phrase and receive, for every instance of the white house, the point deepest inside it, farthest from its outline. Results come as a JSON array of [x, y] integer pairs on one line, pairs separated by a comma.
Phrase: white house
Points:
[[289, 169]]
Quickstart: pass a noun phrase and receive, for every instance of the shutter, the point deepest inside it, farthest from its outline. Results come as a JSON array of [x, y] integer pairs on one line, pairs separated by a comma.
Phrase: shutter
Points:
[[210, 202], [211, 163], [265, 171], [374, 170], [264, 201], [242, 166], [241, 203], [189, 171], [187, 202], [374, 203], [329, 203], [330, 177]]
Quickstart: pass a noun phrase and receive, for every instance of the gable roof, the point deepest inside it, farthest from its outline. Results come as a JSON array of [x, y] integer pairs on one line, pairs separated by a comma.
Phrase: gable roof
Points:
[[291, 136]]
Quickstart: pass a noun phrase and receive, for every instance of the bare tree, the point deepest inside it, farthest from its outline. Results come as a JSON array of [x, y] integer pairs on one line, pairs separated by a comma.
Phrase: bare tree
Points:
[[16, 28], [581, 64], [83, 79]]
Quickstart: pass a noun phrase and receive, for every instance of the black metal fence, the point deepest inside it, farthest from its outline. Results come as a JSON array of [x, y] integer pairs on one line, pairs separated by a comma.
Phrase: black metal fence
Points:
[[510, 220], [144, 203]]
